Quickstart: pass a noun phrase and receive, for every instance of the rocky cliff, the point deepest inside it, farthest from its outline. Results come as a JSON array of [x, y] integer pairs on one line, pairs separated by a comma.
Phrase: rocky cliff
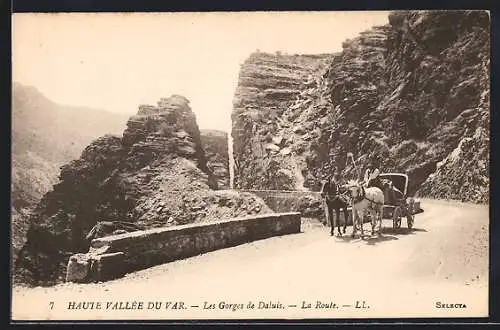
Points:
[[215, 144], [407, 94], [155, 175], [267, 154]]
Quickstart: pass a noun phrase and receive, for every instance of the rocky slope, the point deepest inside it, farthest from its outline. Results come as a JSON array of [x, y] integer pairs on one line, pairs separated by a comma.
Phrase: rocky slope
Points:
[[155, 175], [406, 94], [45, 135], [215, 146]]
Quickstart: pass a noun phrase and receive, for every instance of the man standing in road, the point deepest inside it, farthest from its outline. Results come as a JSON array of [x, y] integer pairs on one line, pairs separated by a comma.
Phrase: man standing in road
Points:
[[334, 200]]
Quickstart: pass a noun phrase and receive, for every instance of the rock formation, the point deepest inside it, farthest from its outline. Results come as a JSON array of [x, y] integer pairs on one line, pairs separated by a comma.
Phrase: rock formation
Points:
[[405, 94], [155, 175], [215, 146]]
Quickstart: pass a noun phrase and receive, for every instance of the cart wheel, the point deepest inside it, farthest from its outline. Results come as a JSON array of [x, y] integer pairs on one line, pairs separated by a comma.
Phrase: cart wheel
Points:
[[396, 217], [409, 221]]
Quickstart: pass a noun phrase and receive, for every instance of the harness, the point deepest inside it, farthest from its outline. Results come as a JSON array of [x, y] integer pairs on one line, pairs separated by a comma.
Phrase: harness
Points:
[[337, 196], [363, 197]]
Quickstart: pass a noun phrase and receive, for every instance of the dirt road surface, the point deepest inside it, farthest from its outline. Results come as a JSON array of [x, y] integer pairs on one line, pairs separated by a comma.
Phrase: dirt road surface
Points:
[[402, 273]]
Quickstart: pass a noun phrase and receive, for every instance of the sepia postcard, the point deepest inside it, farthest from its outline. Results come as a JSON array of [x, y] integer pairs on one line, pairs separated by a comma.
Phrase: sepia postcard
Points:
[[250, 165]]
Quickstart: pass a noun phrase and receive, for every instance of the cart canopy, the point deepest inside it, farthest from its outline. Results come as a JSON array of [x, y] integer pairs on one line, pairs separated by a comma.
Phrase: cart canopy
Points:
[[400, 180]]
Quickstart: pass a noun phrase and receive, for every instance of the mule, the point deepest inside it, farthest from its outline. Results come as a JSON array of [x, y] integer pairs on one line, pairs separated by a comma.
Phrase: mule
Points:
[[365, 200], [335, 200]]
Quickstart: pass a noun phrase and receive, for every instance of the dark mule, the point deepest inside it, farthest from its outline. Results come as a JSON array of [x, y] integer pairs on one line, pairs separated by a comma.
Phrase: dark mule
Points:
[[335, 200]]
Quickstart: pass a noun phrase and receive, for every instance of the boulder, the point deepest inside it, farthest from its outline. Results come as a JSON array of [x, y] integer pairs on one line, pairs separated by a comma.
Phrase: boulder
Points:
[[77, 269]]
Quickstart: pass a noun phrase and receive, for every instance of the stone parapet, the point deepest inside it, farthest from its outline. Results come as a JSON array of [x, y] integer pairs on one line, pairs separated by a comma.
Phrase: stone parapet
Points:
[[113, 256]]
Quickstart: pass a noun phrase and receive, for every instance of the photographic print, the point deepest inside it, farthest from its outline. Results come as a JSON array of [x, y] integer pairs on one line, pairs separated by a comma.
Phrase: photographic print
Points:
[[250, 165]]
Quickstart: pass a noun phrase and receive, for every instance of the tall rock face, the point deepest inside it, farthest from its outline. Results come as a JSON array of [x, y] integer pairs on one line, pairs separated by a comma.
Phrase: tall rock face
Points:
[[406, 94], [45, 135], [215, 145], [270, 84], [155, 175], [444, 58]]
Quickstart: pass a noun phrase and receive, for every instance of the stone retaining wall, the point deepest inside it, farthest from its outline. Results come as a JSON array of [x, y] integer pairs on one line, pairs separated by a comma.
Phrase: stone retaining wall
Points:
[[309, 203], [113, 256]]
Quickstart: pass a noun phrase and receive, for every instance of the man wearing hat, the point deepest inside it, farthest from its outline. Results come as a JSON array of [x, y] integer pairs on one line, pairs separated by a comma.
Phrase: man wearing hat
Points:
[[371, 178], [331, 191]]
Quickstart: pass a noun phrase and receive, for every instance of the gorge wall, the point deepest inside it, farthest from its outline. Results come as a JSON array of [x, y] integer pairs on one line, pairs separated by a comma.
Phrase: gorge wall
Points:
[[412, 95], [215, 145], [155, 175], [268, 148]]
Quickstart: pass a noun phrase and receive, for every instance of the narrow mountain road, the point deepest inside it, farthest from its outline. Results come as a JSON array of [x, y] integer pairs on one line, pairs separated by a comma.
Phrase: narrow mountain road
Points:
[[402, 273]]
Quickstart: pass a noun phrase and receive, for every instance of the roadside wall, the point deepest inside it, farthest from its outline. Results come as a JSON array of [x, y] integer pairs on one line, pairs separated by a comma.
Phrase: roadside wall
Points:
[[113, 256]]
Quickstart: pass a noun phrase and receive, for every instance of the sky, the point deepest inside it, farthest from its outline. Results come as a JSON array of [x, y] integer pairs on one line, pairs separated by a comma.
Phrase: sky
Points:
[[119, 61]]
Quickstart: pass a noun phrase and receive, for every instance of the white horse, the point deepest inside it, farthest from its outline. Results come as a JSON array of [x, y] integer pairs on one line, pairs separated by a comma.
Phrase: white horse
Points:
[[365, 200]]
